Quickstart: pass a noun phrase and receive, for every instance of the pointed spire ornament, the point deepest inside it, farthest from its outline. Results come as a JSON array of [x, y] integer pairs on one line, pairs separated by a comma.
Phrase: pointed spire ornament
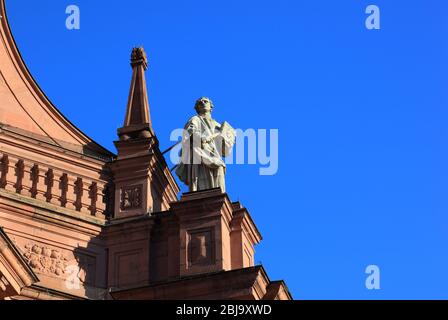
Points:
[[137, 124]]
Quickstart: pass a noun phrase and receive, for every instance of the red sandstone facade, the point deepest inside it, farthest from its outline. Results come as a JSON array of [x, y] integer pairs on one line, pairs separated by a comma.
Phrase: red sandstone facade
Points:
[[79, 222]]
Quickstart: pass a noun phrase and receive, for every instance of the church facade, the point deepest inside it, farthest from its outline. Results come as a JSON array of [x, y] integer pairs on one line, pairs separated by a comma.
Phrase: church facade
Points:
[[80, 222]]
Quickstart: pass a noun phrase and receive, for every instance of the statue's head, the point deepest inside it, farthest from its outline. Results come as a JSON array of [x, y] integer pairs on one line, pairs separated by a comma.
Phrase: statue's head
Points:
[[204, 105]]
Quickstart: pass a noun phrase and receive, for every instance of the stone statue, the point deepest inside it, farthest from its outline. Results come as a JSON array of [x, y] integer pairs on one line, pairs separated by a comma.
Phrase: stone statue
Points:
[[205, 142]]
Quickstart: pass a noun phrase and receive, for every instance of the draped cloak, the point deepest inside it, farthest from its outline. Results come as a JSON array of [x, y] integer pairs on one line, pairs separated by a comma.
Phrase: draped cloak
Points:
[[201, 165]]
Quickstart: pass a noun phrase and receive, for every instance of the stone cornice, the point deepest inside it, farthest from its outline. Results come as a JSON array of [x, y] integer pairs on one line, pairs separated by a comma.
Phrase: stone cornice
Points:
[[247, 283], [197, 205]]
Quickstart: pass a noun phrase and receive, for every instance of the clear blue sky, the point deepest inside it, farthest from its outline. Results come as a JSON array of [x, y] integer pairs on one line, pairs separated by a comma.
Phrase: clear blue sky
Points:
[[362, 117]]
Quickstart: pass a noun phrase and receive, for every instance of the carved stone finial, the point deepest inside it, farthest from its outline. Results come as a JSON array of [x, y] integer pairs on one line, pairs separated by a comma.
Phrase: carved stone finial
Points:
[[137, 124], [139, 57]]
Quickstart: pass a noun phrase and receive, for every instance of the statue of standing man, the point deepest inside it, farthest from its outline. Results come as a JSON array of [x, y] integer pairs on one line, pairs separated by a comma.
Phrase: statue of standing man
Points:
[[204, 144]]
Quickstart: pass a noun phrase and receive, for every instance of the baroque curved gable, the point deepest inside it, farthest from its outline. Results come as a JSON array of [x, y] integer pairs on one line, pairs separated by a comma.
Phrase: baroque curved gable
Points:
[[25, 109]]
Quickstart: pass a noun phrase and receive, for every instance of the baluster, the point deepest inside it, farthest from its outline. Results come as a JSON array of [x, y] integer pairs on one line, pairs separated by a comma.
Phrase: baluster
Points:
[[79, 191], [27, 179], [34, 180], [109, 199], [71, 195], [49, 183], [93, 196], [100, 203], [41, 186], [53, 183], [85, 196], [10, 174], [3, 170], [63, 189], [19, 172]]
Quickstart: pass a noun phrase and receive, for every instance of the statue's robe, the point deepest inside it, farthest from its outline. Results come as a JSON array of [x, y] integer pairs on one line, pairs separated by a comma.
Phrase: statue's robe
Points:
[[201, 165]]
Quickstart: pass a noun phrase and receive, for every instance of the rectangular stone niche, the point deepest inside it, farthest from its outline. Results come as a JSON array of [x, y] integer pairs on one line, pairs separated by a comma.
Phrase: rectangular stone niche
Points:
[[201, 248]]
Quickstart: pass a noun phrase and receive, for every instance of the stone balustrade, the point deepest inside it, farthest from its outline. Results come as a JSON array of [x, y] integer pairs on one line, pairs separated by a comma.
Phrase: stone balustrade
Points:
[[53, 186]]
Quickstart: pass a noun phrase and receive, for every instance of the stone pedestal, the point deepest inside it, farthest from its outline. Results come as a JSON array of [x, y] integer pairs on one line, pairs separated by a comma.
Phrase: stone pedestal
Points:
[[214, 234]]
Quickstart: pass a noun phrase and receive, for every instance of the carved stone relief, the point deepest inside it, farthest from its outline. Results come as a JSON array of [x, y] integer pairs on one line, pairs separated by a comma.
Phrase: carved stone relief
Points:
[[131, 198], [45, 260]]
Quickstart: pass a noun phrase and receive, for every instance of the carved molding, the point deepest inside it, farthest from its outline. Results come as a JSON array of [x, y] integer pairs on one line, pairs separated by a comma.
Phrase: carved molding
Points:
[[3, 283]]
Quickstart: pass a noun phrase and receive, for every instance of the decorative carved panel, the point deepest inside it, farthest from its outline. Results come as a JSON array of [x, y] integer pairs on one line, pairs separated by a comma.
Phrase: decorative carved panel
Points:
[[131, 198], [45, 260]]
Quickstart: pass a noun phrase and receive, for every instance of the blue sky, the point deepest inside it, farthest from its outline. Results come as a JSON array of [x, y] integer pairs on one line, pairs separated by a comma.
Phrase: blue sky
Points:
[[363, 161]]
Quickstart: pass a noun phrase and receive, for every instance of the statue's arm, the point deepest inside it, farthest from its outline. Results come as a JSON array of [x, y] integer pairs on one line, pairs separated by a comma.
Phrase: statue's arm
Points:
[[193, 128]]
